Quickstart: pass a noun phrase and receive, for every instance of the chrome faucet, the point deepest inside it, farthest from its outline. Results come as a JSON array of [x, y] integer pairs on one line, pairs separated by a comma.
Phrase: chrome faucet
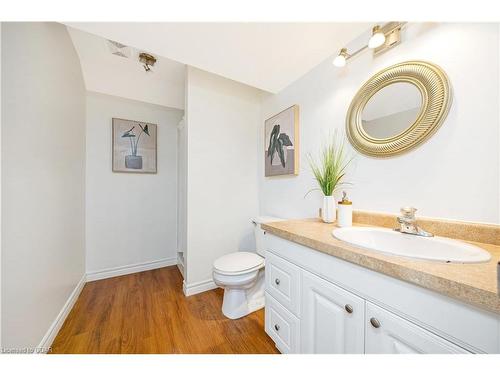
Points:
[[408, 223]]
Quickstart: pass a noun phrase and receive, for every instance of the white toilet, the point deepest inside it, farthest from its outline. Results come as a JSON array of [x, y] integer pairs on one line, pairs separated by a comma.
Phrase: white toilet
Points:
[[241, 274]]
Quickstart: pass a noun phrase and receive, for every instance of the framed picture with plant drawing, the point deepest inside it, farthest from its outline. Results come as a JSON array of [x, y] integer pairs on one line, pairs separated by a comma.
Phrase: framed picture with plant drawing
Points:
[[281, 146], [134, 146]]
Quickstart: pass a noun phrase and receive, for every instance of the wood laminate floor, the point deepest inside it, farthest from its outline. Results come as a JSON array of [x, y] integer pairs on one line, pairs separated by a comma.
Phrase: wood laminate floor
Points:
[[147, 312]]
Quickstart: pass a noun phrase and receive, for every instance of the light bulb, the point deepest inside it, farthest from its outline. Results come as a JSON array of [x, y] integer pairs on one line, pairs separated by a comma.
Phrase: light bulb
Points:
[[377, 39], [340, 60]]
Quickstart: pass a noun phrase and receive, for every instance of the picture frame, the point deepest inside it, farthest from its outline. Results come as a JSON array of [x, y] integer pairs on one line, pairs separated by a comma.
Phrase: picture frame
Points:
[[134, 146], [281, 145]]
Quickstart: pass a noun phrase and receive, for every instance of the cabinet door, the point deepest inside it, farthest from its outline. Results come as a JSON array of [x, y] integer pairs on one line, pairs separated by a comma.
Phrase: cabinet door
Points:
[[332, 318], [387, 333]]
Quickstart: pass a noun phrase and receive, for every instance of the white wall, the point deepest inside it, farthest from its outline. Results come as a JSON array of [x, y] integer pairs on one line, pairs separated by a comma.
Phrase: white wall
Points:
[[222, 119], [43, 178], [0, 184], [182, 190], [130, 218], [453, 175]]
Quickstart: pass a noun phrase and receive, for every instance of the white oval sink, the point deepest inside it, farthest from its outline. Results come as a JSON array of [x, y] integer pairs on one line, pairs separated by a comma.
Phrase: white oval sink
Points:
[[395, 243]]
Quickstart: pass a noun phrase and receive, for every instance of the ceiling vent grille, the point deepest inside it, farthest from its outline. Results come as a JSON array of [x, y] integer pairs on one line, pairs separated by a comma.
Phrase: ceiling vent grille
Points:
[[119, 49]]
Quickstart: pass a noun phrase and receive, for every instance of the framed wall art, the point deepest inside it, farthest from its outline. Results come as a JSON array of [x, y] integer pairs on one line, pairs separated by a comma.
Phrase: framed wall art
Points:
[[134, 146], [282, 143]]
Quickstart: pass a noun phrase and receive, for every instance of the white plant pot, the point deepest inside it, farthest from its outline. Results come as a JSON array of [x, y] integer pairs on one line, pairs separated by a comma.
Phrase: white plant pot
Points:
[[329, 213]]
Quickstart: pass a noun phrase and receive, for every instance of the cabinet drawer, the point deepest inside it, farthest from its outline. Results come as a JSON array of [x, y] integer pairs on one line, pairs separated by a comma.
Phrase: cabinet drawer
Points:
[[283, 282], [282, 326], [387, 333]]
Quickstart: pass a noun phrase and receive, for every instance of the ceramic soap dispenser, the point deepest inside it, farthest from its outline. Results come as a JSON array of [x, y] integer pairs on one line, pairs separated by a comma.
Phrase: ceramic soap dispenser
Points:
[[345, 212]]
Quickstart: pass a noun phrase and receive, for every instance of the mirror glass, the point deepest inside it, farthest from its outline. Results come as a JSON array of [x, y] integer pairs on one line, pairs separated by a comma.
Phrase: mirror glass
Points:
[[392, 110]]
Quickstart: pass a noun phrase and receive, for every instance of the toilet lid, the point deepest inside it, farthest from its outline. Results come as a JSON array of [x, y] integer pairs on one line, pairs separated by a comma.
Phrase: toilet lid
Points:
[[238, 262]]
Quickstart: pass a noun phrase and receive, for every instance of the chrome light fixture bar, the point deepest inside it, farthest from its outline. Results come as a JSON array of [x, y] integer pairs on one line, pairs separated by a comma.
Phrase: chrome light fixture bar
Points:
[[382, 39], [341, 59]]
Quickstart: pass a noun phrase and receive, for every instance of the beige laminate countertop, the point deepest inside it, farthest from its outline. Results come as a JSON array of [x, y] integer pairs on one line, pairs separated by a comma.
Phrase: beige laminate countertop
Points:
[[475, 284]]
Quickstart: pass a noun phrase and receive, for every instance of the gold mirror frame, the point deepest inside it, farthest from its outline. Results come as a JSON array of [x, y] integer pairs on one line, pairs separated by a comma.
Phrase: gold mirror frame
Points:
[[435, 90]]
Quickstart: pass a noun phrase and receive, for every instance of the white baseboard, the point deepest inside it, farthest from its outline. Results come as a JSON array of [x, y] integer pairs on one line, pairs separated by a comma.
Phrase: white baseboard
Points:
[[180, 263], [180, 266], [199, 287], [131, 268], [61, 317]]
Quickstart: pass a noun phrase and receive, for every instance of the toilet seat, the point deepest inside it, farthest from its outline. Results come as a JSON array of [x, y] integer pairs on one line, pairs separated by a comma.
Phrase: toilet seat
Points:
[[238, 263]]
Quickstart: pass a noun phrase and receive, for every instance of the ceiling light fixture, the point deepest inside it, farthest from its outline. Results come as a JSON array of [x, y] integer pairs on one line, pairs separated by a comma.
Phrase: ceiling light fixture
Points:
[[377, 38], [340, 60], [147, 60]]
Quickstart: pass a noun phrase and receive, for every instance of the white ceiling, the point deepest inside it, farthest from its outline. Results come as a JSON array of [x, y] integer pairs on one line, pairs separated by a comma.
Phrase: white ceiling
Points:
[[268, 56], [106, 73]]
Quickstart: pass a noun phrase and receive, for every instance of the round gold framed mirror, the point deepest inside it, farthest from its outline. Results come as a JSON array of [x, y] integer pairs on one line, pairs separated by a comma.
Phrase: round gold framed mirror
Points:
[[398, 108]]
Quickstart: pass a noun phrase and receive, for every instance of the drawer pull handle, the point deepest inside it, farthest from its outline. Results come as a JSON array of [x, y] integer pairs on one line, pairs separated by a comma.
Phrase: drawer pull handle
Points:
[[276, 327], [348, 308], [375, 323], [277, 281]]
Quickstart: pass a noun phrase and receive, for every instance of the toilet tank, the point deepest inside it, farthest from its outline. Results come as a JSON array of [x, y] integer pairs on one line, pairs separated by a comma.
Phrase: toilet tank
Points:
[[260, 233]]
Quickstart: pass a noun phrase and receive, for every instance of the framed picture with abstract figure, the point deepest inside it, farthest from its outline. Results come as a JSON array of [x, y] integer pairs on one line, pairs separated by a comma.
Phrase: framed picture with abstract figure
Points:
[[134, 146], [282, 143]]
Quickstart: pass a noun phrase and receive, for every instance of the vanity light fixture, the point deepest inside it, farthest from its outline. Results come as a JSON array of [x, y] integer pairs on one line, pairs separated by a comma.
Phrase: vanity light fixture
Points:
[[382, 39], [340, 60], [377, 38]]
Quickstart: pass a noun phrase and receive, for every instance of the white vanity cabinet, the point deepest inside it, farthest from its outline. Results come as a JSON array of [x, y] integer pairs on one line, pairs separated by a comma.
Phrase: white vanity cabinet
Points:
[[283, 282], [387, 333], [282, 326], [332, 318], [316, 303]]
